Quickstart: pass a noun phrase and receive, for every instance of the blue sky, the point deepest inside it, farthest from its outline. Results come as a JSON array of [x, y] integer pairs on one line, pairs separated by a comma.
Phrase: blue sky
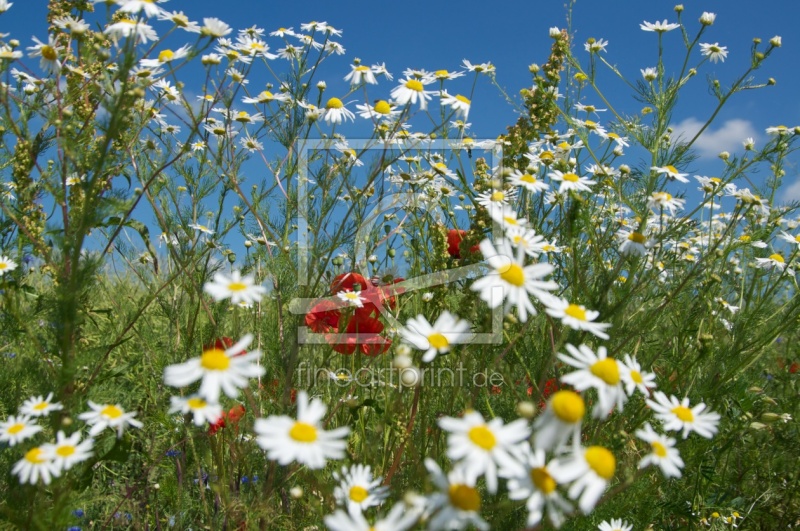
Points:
[[438, 35]]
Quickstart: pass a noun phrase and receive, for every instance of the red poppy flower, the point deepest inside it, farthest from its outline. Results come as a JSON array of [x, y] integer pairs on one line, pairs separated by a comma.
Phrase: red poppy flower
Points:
[[363, 332], [323, 317], [233, 415], [348, 281], [454, 237]]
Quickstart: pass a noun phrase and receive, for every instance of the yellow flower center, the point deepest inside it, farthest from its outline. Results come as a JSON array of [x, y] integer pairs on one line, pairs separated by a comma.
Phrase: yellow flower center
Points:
[[334, 103], [658, 449], [590, 124], [778, 258], [482, 437], [362, 68], [637, 238], [528, 178], [513, 274], [414, 85], [607, 370], [545, 156], [16, 428], [49, 53], [166, 56], [462, 99], [383, 107], [65, 451], [112, 412], [358, 494], [510, 221], [265, 96], [464, 497], [636, 376], [303, 432], [196, 403], [601, 461], [571, 177], [41, 406], [542, 479], [34, 456], [242, 116], [441, 74], [3, 266], [237, 286], [671, 169], [563, 146], [215, 360], [498, 196], [576, 312], [683, 413], [438, 341], [568, 406]]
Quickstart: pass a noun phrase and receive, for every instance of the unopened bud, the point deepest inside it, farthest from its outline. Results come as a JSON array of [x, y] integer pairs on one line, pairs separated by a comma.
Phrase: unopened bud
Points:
[[526, 410]]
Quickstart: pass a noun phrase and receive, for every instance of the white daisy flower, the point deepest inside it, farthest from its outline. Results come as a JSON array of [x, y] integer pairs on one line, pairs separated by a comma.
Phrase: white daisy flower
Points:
[[527, 239], [201, 228], [571, 181], [214, 28], [104, 416], [359, 74], [495, 198], [6, 264], [460, 104], [671, 173], [238, 288], [126, 27], [352, 298], [512, 281], [303, 440], [480, 446], [714, 52], [357, 489], [506, 216], [678, 416], [659, 27], [16, 429], [774, 261], [336, 112], [37, 464], [149, 7], [381, 110], [662, 452], [48, 51], [634, 378], [596, 371], [561, 420], [438, 338], [457, 505], [633, 243], [38, 406], [411, 90], [201, 410], [616, 524], [591, 469], [399, 518], [224, 371], [528, 181], [575, 316], [68, 451], [664, 201], [534, 483]]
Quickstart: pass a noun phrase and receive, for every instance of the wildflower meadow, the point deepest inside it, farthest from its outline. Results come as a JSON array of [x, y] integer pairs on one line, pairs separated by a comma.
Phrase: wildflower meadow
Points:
[[250, 281]]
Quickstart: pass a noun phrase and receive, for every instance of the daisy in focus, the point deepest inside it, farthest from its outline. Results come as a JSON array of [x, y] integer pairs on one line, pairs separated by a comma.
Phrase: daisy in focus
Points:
[[436, 338], [68, 451], [511, 281], [659, 27], [303, 440], [220, 370], [237, 288], [480, 446], [598, 372], [38, 406], [336, 112], [671, 173], [104, 416], [571, 181], [575, 316], [457, 505], [352, 298], [634, 378], [357, 489], [591, 469], [714, 52], [662, 452], [678, 416], [16, 429], [412, 90]]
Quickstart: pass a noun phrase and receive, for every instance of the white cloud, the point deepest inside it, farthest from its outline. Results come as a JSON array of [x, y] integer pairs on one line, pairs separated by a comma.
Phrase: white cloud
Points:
[[791, 192], [727, 137]]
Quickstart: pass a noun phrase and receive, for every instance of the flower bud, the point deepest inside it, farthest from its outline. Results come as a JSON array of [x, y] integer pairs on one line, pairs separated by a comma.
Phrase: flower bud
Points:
[[555, 33], [296, 492], [775, 41], [706, 19], [526, 410]]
